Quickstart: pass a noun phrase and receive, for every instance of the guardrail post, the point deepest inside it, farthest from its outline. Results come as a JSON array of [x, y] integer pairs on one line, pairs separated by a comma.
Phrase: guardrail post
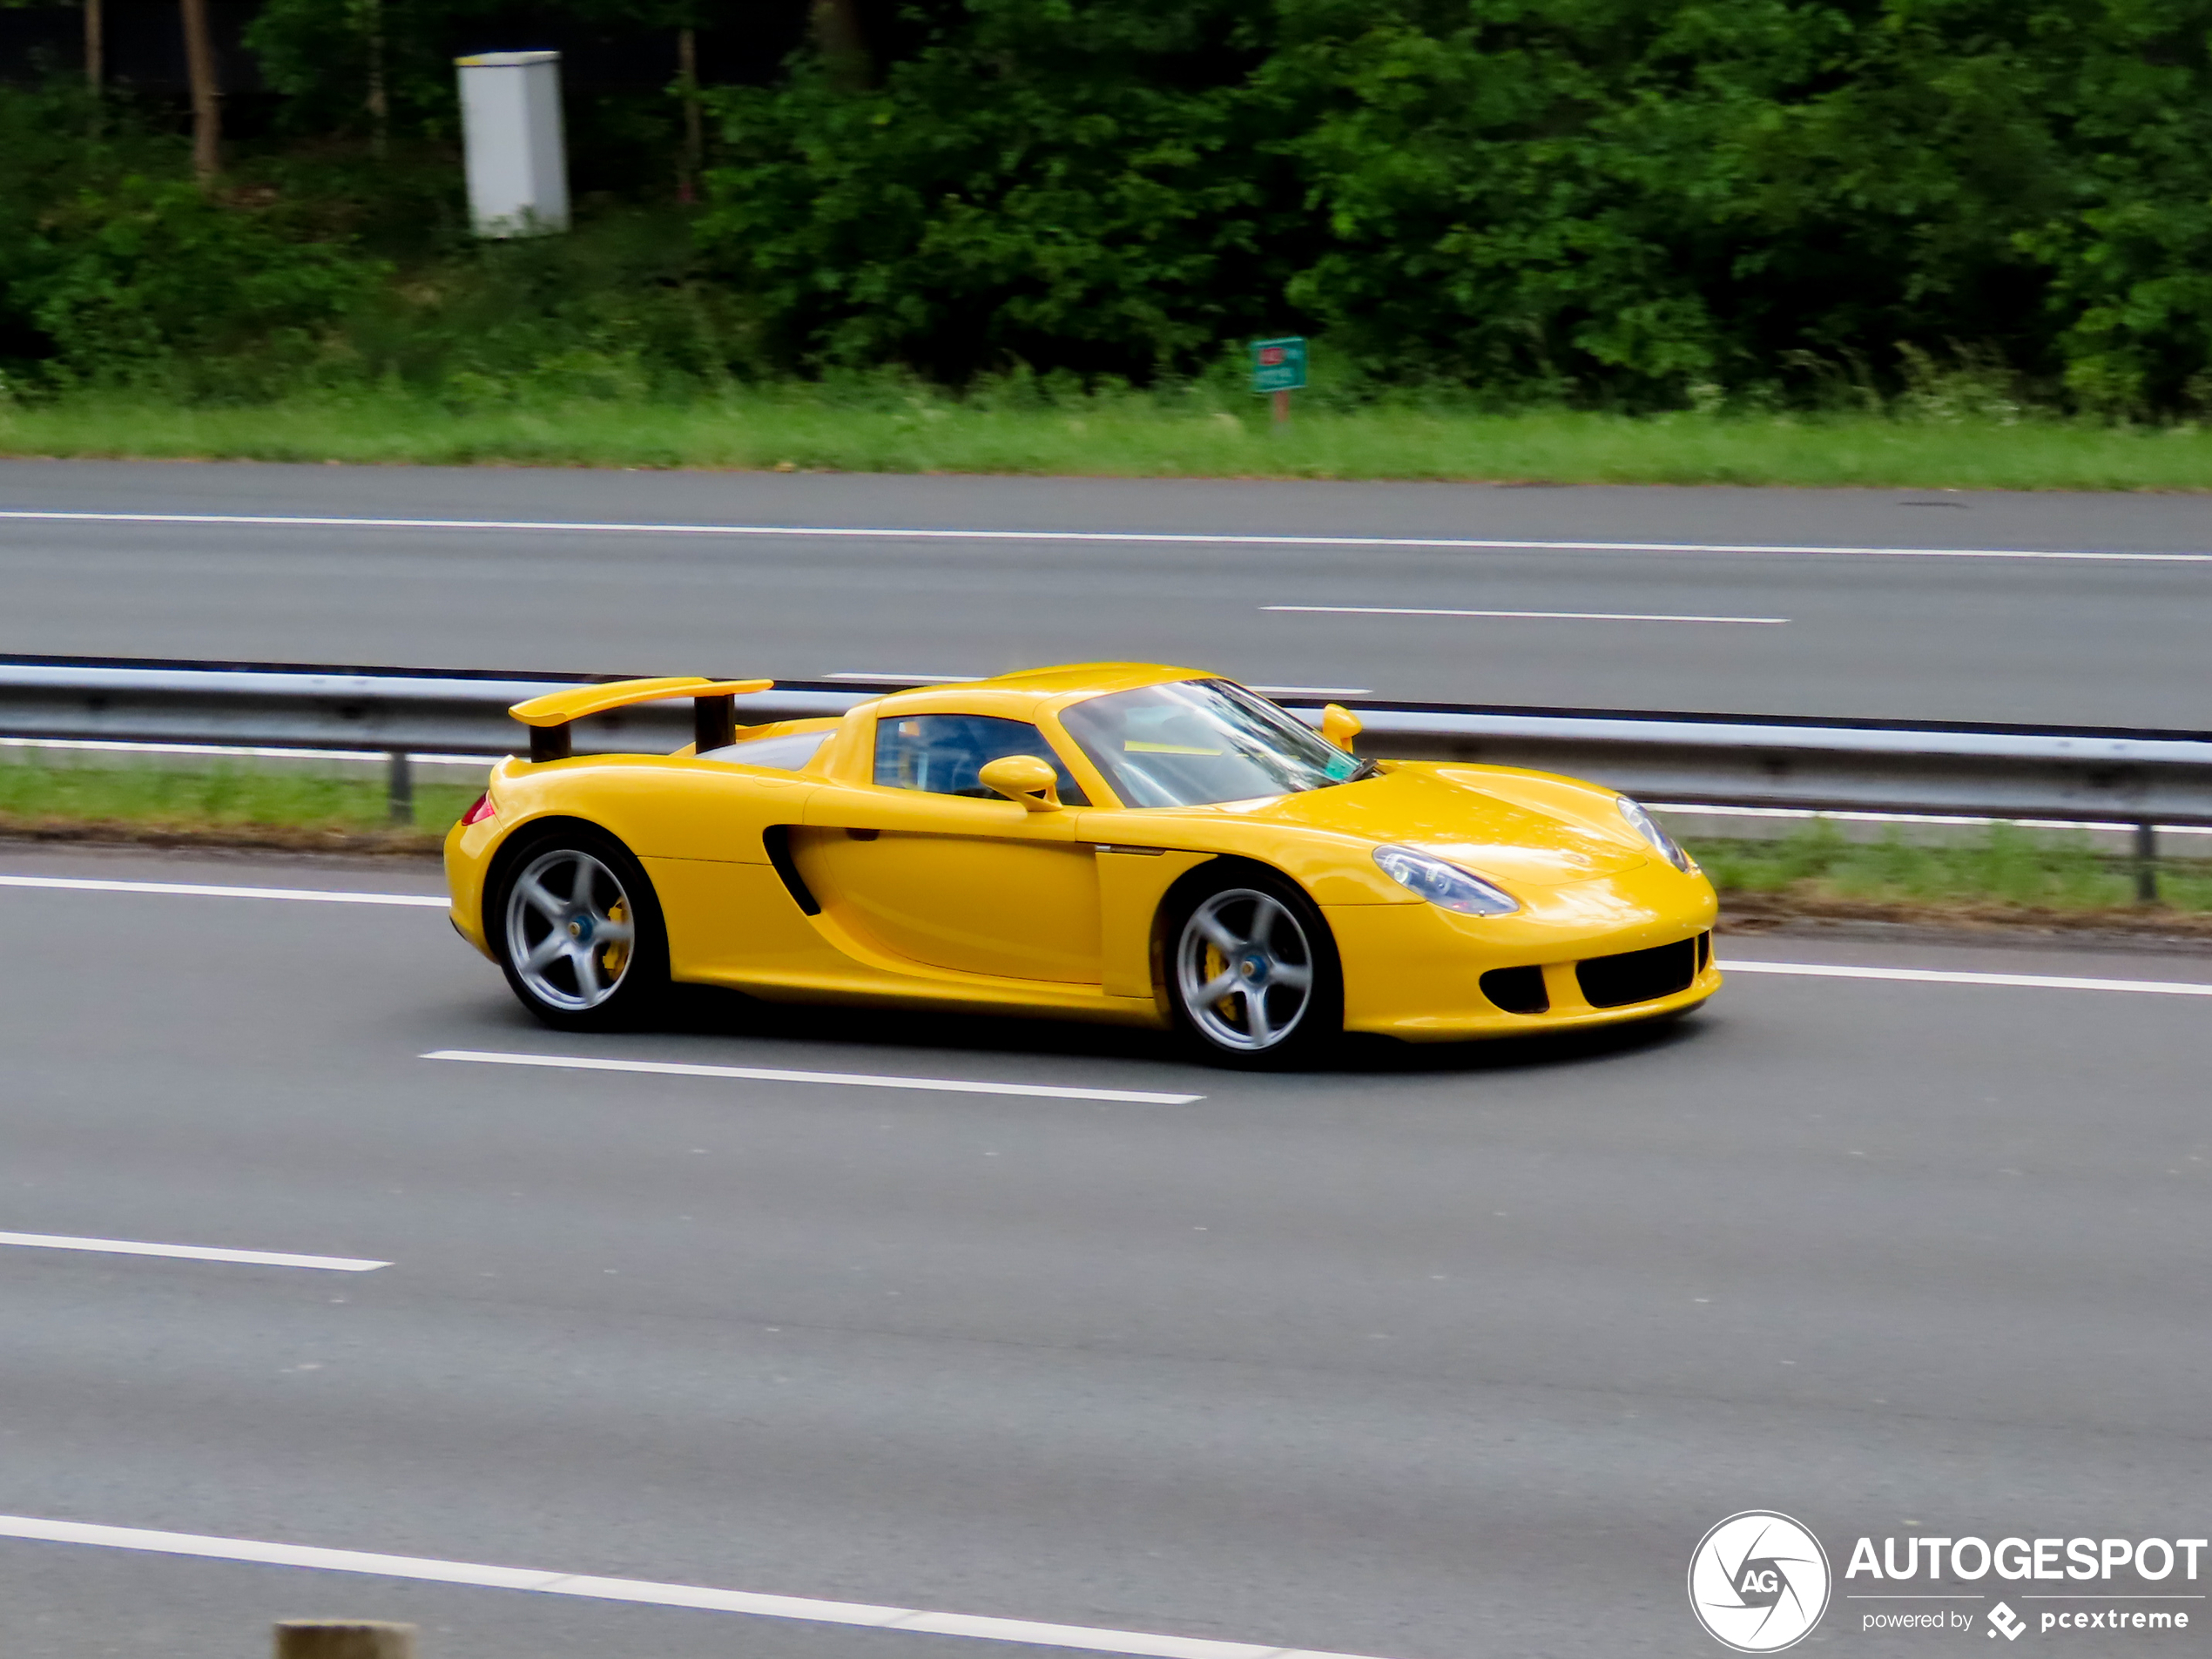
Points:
[[398, 787], [344, 1639], [2145, 864]]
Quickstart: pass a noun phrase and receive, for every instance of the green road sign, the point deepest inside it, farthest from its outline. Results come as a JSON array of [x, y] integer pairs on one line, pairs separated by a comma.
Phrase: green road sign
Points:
[[1279, 365]]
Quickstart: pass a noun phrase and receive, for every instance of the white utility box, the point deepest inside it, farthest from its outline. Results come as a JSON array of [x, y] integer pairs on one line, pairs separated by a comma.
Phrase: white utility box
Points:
[[510, 118]]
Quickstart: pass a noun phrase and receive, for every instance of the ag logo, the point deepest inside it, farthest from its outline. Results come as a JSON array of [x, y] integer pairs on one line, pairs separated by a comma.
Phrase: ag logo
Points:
[[1758, 1582]]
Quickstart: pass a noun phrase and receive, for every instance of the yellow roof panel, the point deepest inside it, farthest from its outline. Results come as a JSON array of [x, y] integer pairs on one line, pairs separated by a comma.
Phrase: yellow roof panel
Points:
[[1091, 677]]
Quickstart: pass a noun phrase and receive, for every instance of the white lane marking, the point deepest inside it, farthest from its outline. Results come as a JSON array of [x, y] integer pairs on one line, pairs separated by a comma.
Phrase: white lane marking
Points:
[[79, 884], [1940, 976], [904, 680], [1178, 538], [1309, 691], [851, 1079], [192, 1252], [2170, 987], [1086, 1638], [1533, 616]]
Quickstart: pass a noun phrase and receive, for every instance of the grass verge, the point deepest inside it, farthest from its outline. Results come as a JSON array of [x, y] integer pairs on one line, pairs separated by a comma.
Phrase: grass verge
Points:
[[1193, 435], [2051, 872], [2011, 876], [225, 806]]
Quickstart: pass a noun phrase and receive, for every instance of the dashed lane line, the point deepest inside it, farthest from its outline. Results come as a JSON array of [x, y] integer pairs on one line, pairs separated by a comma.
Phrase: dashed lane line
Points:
[[1525, 615], [1084, 1638]]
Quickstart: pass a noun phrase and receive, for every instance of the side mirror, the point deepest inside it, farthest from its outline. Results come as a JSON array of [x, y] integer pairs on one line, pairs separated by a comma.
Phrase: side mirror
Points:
[[1024, 778], [1339, 725]]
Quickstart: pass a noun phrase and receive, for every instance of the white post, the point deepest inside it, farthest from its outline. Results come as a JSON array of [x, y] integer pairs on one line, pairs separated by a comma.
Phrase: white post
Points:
[[510, 118]]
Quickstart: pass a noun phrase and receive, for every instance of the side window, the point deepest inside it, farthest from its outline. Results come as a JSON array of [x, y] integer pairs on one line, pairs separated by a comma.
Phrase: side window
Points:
[[942, 753]]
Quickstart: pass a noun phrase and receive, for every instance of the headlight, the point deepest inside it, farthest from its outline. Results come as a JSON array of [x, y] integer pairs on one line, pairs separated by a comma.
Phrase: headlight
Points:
[[1647, 826], [1444, 885]]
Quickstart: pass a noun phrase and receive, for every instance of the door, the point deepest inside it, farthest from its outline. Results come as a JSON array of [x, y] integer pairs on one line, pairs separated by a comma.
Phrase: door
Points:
[[929, 865]]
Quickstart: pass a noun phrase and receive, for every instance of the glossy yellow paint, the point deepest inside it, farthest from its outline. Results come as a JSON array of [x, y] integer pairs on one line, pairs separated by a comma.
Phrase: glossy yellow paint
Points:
[[978, 887], [559, 708], [1413, 972], [943, 901]]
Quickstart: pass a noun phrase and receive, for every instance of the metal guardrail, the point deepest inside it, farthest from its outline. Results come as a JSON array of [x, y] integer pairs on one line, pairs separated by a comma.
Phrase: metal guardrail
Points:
[[2088, 775], [2082, 774], [280, 705]]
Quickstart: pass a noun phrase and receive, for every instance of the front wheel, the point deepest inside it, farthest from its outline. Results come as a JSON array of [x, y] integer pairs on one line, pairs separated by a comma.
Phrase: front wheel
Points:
[[579, 933], [1252, 975]]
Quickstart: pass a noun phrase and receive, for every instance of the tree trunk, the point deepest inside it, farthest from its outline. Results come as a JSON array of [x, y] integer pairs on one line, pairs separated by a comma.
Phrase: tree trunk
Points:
[[206, 98], [379, 105], [95, 46], [96, 62], [844, 46], [687, 82]]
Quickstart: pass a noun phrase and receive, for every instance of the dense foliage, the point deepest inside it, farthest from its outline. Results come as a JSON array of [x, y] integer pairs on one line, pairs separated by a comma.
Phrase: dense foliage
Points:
[[1098, 187], [1645, 199], [1633, 203]]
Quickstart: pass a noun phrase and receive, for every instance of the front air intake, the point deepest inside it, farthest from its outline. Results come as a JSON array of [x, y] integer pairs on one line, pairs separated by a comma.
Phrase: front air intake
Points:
[[1517, 990], [1637, 975]]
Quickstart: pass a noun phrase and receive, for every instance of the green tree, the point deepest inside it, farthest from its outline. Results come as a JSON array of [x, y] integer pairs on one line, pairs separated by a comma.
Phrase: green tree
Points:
[[1041, 181]]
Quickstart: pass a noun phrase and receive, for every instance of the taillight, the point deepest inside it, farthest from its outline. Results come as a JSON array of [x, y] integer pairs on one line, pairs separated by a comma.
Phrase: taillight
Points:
[[481, 810]]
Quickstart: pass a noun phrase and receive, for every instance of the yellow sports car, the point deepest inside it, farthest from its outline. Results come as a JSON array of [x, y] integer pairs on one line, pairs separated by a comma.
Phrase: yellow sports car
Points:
[[1149, 845]]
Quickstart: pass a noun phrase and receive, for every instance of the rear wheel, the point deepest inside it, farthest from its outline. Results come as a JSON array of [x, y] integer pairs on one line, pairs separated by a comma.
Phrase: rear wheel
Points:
[[579, 932], [1252, 975]]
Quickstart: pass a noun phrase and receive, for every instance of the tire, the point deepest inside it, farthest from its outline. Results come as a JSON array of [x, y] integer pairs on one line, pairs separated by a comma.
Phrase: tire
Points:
[[1252, 978], [578, 931]]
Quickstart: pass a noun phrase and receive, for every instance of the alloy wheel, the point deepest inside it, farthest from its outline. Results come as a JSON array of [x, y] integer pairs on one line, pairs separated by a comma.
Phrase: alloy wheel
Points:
[[570, 933], [1243, 970]]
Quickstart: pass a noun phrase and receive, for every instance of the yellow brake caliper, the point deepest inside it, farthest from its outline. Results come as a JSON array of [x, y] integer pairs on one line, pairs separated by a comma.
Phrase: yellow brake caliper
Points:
[[618, 953], [1216, 965]]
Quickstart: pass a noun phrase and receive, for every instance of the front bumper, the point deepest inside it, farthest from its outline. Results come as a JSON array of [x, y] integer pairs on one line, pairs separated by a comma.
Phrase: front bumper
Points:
[[1416, 973]]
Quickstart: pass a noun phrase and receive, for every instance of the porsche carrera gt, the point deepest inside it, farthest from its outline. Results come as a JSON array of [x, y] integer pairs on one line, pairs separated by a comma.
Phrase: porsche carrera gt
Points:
[[1125, 842]]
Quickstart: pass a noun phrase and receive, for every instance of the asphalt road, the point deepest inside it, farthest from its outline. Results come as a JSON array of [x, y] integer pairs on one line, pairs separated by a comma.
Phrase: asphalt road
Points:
[[1443, 1355], [1880, 631]]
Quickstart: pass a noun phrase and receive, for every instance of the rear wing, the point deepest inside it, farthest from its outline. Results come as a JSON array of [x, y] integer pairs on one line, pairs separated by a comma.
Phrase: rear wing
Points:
[[714, 719]]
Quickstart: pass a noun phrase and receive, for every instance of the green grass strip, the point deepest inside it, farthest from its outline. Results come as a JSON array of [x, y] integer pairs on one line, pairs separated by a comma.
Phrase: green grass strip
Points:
[[1131, 436], [36, 793], [2052, 870]]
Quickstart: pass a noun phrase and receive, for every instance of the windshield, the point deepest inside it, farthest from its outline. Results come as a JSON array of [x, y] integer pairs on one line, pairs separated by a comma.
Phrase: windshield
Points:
[[1196, 742]]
